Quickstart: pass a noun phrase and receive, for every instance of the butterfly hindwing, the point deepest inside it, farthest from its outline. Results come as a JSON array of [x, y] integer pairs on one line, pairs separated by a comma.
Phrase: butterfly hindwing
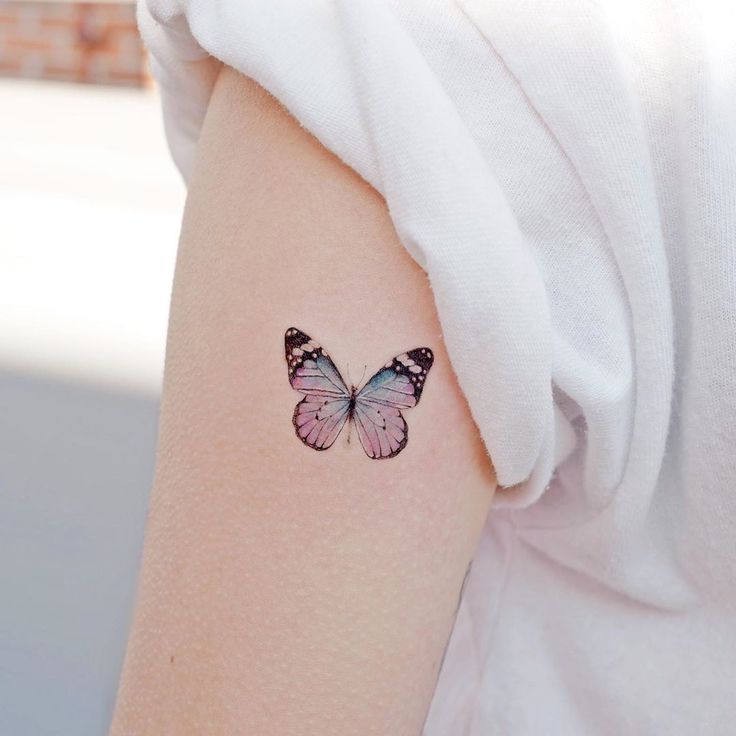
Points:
[[382, 430], [318, 421], [398, 385], [320, 417]]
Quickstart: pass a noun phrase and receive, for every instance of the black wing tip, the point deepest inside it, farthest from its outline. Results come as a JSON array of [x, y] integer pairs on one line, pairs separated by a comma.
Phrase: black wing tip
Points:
[[423, 357], [294, 338], [294, 333]]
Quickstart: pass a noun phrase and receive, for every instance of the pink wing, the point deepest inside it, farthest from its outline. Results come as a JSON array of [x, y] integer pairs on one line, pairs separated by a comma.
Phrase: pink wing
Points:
[[398, 385], [321, 415], [318, 421], [382, 431]]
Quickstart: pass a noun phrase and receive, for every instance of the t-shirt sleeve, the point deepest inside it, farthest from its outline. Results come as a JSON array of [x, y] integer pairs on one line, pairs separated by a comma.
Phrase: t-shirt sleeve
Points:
[[390, 100]]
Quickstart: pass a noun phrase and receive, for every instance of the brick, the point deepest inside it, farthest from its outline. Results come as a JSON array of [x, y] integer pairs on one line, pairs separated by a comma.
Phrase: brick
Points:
[[54, 23], [29, 16], [32, 64], [10, 67], [27, 44], [60, 11], [61, 73]]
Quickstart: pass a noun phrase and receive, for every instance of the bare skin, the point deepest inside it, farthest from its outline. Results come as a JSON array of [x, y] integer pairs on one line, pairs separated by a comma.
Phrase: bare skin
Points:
[[282, 590]]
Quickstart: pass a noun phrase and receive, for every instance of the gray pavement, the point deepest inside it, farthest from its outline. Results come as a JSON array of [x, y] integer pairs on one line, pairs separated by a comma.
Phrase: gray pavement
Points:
[[90, 207]]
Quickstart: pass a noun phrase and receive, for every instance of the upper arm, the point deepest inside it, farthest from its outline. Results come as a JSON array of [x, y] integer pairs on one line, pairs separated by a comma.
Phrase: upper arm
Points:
[[285, 590]]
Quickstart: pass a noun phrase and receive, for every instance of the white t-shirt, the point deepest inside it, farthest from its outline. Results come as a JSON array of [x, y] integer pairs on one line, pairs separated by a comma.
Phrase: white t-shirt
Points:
[[566, 174]]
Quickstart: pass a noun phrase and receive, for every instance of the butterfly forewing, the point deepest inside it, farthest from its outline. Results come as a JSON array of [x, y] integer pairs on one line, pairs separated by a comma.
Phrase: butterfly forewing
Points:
[[321, 415], [310, 369]]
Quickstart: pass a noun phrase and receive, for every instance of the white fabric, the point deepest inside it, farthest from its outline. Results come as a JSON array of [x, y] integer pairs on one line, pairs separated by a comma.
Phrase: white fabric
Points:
[[566, 174]]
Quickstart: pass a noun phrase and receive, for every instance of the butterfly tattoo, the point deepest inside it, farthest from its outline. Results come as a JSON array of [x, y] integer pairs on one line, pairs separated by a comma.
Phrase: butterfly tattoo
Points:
[[328, 404]]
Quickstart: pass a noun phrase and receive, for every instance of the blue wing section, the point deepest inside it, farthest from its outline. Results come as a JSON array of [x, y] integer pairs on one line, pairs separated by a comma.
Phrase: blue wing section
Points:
[[401, 381], [311, 371]]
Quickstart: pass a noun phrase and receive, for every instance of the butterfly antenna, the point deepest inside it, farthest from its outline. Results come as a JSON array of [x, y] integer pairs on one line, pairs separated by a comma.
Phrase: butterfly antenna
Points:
[[365, 368]]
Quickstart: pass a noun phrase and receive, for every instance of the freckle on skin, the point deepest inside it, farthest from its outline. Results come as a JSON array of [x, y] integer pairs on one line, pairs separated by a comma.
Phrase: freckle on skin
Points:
[[171, 659]]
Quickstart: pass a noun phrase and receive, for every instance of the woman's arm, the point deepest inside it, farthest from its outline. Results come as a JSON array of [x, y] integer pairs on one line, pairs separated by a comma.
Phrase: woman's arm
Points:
[[287, 591]]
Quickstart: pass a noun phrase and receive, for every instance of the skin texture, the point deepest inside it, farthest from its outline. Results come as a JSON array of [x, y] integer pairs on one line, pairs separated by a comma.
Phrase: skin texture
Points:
[[282, 590]]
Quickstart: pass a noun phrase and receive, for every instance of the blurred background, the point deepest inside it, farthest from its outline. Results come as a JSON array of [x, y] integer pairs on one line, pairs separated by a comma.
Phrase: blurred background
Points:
[[89, 217]]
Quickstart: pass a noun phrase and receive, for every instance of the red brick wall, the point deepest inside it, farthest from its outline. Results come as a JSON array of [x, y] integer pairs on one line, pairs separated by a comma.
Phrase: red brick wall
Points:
[[94, 42]]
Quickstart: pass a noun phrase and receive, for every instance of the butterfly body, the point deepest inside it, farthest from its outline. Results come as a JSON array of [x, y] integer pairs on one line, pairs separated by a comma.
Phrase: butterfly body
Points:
[[375, 409]]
